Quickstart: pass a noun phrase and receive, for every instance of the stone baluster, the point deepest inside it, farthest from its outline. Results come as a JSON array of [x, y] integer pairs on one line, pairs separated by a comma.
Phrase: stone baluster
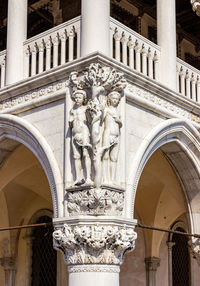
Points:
[[71, 36], [9, 266], [177, 79], [170, 244], [27, 62], [33, 60], [41, 57], [55, 50], [152, 263], [124, 49], [48, 53], [117, 38], [63, 39], [182, 76], [137, 56], [150, 63], [131, 53], [193, 87], [144, 60], [111, 43], [3, 71], [156, 66], [198, 89], [187, 84]]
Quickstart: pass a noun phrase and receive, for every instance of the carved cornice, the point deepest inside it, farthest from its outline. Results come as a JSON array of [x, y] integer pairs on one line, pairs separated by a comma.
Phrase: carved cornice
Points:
[[94, 268], [94, 244]]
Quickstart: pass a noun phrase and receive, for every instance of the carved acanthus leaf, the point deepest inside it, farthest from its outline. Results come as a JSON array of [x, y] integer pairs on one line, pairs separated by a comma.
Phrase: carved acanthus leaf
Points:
[[94, 244], [196, 6]]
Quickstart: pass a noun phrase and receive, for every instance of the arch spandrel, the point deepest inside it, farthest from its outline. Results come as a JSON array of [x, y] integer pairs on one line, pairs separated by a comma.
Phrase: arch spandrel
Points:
[[20, 130], [180, 143]]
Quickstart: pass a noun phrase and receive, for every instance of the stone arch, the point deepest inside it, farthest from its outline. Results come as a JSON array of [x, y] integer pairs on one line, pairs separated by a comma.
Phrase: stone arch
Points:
[[18, 129], [185, 139]]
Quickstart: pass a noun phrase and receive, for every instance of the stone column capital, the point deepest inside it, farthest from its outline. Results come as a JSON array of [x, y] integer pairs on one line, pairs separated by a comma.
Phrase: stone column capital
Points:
[[8, 263], [170, 244], [152, 263], [94, 242], [195, 249]]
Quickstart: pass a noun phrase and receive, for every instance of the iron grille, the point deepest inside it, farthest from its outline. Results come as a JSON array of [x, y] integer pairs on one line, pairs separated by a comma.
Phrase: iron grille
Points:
[[44, 256], [180, 260]]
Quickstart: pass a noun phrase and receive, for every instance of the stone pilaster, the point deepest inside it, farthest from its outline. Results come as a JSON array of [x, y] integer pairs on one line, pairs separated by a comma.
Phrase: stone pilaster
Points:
[[9, 266], [152, 263]]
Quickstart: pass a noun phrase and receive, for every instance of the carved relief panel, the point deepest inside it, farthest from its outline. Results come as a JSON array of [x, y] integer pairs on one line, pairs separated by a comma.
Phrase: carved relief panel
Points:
[[94, 149]]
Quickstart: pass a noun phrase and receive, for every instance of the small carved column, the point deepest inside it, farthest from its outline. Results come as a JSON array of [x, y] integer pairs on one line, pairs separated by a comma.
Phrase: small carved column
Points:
[[9, 265], [170, 244], [152, 263]]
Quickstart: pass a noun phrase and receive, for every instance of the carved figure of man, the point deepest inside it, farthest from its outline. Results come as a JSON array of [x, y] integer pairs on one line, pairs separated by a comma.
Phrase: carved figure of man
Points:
[[111, 136], [80, 138]]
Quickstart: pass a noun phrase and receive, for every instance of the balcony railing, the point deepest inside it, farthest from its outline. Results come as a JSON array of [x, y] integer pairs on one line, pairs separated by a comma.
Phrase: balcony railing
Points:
[[2, 68], [61, 44], [52, 48], [134, 50], [188, 80]]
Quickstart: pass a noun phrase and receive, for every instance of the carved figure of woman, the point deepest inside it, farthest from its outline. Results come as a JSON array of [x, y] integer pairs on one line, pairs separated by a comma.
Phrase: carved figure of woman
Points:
[[111, 137], [80, 138]]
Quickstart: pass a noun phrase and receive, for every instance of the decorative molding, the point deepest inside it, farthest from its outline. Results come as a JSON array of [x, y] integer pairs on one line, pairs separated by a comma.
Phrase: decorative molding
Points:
[[94, 268], [37, 94], [94, 244], [105, 201], [163, 103]]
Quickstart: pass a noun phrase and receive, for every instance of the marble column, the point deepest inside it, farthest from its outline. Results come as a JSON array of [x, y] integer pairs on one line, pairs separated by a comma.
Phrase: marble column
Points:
[[166, 34], [95, 34], [94, 248], [170, 244], [16, 35], [152, 263], [9, 266]]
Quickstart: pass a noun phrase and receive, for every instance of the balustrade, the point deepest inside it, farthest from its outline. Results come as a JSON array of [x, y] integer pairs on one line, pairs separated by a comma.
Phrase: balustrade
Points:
[[188, 81], [52, 48], [2, 68], [134, 50]]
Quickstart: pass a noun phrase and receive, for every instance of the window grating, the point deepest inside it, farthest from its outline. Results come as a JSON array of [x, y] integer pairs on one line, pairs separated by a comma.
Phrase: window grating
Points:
[[44, 256], [180, 260]]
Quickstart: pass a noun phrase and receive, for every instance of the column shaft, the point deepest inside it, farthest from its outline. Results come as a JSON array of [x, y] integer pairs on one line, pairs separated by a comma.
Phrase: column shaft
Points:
[[90, 276], [95, 26], [16, 35], [166, 33]]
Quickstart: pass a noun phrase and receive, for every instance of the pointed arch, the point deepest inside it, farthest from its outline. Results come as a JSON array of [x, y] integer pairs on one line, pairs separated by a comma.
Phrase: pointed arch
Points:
[[20, 130], [186, 143]]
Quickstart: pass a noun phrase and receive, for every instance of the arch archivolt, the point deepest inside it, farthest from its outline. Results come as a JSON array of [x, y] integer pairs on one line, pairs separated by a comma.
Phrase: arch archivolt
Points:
[[18, 129], [180, 143]]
